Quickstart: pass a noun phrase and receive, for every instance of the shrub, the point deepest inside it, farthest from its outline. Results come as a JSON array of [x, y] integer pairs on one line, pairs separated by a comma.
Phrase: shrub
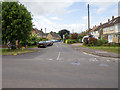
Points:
[[74, 36], [92, 41], [72, 41], [102, 42], [85, 41]]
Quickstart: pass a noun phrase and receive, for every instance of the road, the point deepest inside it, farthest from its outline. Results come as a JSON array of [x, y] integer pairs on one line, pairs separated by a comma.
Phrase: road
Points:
[[59, 66]]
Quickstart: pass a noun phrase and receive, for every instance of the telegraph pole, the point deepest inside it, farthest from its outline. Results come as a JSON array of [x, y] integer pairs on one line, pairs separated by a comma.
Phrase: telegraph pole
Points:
[[88, 21]]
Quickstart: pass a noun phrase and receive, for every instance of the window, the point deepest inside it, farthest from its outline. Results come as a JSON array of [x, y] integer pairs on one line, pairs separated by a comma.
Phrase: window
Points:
[[111, 28], [115, 36], [105, 29]]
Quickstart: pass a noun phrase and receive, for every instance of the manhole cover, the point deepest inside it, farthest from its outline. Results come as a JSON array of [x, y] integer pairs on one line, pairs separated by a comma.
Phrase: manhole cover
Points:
[[75, 63]]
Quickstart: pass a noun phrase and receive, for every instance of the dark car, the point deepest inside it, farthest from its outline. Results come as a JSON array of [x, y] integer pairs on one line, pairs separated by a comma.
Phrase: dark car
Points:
[[42, 44], [49, 43], [58, 41]]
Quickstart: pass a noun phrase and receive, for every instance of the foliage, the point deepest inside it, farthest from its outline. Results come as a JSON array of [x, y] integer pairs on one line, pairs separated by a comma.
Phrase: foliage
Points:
[[16, 22], [83, 34], [80, 37], [102, 42], [85, 41], [63, 32], [92, 41], [42, 39], [72, 41], [66, 36], [74, 36]]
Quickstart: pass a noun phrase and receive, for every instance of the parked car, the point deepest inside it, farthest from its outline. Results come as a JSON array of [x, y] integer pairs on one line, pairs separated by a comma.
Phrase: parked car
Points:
[[53, 41], [57, 40], [42, 44], [49, 43]]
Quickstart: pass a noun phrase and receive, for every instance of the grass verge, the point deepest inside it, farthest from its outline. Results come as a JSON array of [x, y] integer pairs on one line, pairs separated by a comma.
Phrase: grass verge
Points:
[[16, 51], [34, 46], [104, 48]]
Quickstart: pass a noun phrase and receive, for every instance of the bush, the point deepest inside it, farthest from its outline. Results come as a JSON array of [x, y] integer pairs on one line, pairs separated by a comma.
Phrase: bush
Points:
[[72, 41], [101, 42], [85, 41], [92, 41], [74, 36]]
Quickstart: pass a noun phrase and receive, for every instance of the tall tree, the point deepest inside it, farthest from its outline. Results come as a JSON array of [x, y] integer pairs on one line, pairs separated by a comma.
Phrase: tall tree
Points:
[[16, 22], [63, 32]]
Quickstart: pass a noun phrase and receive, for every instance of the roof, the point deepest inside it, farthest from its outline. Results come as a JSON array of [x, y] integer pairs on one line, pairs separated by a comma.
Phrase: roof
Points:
[[95, 28], [111, 22], [55, 35], [107, 24]]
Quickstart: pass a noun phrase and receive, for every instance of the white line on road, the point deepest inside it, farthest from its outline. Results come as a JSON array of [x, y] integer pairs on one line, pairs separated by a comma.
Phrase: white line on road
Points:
[[58, 56]]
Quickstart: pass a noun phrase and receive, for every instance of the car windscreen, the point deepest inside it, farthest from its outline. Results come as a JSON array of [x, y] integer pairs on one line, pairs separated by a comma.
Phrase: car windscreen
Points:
[[42, 42], [47, 41]]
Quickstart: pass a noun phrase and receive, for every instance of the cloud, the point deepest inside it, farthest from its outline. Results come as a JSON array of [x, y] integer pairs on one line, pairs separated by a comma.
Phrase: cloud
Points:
[[85, 17], [42, 11], [56, 18], [71, 27], [71, 11]]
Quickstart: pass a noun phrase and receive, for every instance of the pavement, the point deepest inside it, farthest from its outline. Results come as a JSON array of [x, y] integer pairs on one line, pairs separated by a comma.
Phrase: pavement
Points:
[[59, 66], [94, 52]]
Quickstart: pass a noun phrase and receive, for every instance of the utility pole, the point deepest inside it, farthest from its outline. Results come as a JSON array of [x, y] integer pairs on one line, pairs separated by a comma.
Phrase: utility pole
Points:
[[88, 21]]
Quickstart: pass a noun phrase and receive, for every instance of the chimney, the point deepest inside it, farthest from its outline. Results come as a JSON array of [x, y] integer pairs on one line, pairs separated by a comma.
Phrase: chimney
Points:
[[108, 20], [41, 29], [112, 17], [100, 23]]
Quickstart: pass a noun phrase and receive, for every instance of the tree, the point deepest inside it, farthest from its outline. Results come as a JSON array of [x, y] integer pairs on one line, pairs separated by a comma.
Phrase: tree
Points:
[[74, 36], [63, 32], [16, 22]]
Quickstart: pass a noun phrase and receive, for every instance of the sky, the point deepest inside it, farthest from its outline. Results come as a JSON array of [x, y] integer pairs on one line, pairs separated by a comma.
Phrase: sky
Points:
[[55, 15]]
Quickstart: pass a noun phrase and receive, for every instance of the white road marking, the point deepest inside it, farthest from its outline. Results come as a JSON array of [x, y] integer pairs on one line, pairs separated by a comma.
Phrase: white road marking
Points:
[[50, 59], [58, 56]]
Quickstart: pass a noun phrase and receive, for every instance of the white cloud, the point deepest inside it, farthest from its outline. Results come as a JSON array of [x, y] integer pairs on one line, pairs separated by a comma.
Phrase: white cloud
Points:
[[71, 27], [56, 18], [43, 8], [85, 17], [71, 11]]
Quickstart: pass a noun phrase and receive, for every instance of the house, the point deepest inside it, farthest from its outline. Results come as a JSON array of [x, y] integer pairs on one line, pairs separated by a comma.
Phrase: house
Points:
[[49, 37], [52, 35], [96, 31], [111, 30], [37, 32]]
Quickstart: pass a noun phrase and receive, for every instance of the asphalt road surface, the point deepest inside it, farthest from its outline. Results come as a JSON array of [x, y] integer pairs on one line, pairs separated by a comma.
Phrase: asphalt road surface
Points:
[[59, 66]]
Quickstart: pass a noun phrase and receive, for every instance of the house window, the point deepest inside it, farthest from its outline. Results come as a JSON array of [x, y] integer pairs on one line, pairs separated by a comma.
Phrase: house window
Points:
[[111, 28], [105, 29], [115, 36]]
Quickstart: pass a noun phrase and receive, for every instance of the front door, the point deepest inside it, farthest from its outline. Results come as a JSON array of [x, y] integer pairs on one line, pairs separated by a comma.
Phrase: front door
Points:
[[109, 38]]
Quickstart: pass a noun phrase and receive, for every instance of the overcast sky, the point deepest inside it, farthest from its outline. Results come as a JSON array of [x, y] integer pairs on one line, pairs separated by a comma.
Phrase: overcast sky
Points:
[[55, 15]]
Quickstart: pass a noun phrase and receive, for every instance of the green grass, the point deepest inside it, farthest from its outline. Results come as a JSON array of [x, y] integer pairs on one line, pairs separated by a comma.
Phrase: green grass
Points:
[[32, 46], [16, 51], [104, 48]]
